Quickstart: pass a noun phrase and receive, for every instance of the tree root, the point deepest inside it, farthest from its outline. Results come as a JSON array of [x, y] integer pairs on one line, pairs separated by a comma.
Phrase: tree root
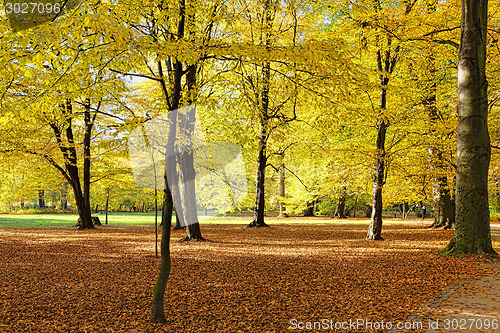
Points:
[[376, 238], [192, 239], [254, 224], [462, 250]]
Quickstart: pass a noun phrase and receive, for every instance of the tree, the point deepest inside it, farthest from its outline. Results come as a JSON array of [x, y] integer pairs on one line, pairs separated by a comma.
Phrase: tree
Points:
[[55, 93], [472, 221], [386, 62]]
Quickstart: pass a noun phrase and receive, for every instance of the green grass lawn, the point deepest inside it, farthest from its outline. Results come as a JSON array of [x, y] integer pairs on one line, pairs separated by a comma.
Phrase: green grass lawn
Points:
[[68, 220], [131, 219]]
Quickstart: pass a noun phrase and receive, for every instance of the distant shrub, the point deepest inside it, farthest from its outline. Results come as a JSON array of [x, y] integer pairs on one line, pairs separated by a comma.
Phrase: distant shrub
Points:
[[326, 206], [26, 211]]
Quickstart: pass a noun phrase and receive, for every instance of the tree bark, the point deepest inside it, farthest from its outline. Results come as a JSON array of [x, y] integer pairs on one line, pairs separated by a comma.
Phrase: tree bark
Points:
[[64, 196], [375, 228], [107, 204], [355, 205], [444, 215], [88, 123], [472, 221], [281, 190], [157, 310], [41, 198], [340, 210], [259, 207], [187, 172], [309, 211], [386, 62], [68, 149], [444, 210]]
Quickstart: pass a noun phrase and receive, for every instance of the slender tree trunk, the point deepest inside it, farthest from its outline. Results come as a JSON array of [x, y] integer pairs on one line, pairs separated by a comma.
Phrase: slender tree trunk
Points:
[[157, 310], [375, 228], [193, 231], [89, 123], [187, 172], [472, 221], [259, 208], [107, 204], [41, 198], [444, 213], [443, 206], [355, 205], [340, 210], [64, 196], [281, 189], [156, 221], [386, 62]]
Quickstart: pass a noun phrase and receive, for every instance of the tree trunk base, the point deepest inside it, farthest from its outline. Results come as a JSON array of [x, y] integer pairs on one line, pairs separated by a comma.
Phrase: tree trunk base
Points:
[[158, 317], [257, 225], [374, 237], [192, 239], [81, 227], [462, 250], [441, 224], [283, 215]]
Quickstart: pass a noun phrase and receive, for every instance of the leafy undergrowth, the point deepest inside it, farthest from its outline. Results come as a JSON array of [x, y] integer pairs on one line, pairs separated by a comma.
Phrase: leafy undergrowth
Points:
[[248, 280]]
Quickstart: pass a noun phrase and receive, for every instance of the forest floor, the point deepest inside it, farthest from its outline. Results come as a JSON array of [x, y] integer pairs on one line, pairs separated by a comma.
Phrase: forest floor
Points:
[[277, 279]]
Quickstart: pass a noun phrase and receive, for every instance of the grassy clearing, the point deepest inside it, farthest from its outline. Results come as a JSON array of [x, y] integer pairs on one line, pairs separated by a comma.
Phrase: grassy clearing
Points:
[[131, 219], [69, 220]]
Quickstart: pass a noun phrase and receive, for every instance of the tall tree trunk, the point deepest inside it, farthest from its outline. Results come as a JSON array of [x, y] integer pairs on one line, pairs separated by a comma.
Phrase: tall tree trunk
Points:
[[444, 215], [259, 207], [472, 221], [64, 196], [89, 123], [157, 310], [281, 190], [375, 228], [107, 204], [188, 173], [355, 205], [444, 212], [386, 62]]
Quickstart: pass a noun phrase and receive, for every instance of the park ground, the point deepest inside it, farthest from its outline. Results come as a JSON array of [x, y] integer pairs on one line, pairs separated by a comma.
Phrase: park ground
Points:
[[300, 270]]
